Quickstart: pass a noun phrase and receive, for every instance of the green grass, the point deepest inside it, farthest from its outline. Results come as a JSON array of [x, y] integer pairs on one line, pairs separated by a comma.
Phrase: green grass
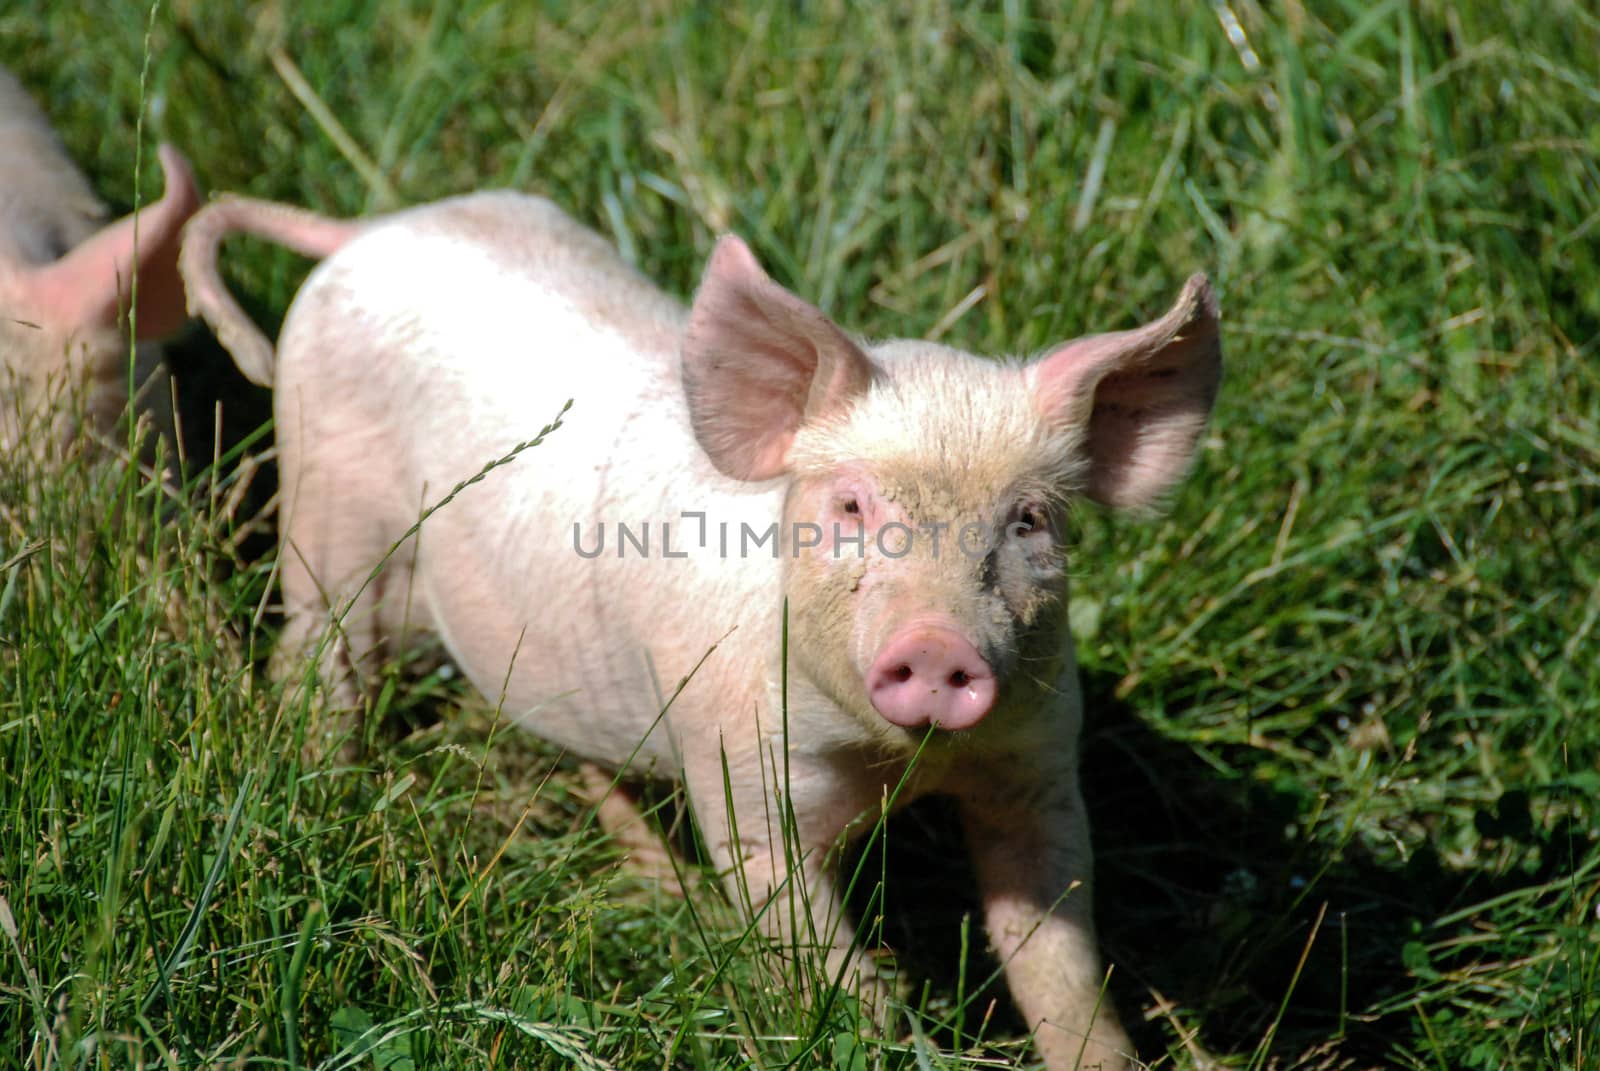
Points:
[[1344, 747]]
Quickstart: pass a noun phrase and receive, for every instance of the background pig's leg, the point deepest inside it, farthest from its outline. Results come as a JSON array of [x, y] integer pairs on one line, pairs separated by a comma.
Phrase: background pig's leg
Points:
[[1029, 852]]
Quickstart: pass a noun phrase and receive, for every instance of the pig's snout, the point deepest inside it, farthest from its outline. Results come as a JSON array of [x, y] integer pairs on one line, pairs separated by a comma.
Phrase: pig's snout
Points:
[[930, 675]]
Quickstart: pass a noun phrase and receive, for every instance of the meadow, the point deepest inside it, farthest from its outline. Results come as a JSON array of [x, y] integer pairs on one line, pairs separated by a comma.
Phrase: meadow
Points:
[[1343, 745]]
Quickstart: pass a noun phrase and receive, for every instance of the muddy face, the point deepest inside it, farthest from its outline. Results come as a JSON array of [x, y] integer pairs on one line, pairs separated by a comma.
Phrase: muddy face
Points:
[[926, 577]]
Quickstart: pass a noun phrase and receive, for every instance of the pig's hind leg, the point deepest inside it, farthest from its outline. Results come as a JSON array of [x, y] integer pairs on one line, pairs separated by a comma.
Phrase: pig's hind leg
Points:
[[348, 599], [617, 805]]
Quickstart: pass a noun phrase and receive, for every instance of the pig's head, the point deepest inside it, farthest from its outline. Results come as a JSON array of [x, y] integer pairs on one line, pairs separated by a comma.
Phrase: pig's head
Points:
[[63, 322], [927, 486]]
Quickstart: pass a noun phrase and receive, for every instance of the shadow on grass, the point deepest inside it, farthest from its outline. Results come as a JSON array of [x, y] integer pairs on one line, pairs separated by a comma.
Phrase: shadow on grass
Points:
[[1206, 896], [220, 414]]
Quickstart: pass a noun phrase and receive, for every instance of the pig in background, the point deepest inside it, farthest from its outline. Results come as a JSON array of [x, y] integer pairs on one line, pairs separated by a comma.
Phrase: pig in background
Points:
[[65, 276], [434, 341]]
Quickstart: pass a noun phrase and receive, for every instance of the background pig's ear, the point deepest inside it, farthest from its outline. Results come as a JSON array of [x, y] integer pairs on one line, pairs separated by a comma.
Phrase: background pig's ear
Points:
[[1144, 394], [90, 285], [758, 362]]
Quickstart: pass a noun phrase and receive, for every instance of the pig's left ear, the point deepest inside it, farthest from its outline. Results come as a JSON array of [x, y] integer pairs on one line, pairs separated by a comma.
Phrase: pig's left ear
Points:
[[758, 362], [1144, 395], [89, 287]]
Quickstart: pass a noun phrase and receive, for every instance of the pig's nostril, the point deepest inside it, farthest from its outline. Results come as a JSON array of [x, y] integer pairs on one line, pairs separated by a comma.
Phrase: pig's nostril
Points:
[[959, 679], [901, 673]]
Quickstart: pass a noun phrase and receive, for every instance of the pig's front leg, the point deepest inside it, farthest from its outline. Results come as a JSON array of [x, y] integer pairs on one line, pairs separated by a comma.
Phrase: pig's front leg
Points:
[[1031, 851], [783, 869]]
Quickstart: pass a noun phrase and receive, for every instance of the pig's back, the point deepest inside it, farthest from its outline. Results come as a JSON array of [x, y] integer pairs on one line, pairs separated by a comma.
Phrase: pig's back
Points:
[[471, 321], [476, 319]]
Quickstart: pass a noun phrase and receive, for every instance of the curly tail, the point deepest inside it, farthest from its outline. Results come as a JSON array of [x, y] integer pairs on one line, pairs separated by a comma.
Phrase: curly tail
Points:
[[295, 228]]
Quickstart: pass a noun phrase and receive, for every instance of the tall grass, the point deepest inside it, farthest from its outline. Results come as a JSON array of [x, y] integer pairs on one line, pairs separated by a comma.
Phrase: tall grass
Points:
[[1344, 742]]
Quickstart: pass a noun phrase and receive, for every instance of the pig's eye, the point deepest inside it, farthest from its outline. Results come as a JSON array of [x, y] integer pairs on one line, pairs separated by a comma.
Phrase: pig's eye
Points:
[[853, 504], [1029, 522]]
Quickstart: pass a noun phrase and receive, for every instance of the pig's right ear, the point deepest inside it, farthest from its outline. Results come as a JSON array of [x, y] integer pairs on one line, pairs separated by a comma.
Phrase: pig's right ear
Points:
[[758, 362]]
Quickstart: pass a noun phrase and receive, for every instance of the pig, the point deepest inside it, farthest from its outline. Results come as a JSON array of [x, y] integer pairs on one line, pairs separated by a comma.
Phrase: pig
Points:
[[65, 284], [901, 630]]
